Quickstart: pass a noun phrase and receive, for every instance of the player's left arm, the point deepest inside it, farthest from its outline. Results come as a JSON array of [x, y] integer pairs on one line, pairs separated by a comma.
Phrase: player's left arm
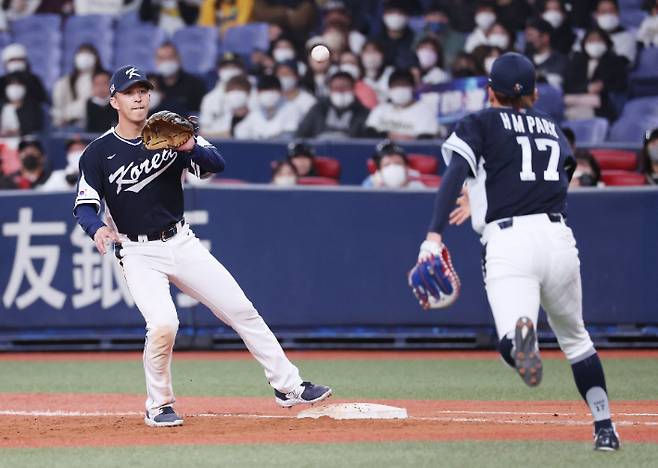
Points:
[[204, 158]]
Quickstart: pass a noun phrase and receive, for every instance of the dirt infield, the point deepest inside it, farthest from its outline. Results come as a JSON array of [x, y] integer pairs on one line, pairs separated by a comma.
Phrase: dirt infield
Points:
[[56, 420]]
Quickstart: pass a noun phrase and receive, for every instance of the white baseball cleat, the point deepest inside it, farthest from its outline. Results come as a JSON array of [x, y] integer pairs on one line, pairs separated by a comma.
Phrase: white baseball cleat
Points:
[[167, 417]]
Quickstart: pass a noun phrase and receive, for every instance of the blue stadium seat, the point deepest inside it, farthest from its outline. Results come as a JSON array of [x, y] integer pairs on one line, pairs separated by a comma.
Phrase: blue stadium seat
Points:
[[44, 49], [197, 47], [631, 4], [639, 115], [644, 79], [41, 23], [551, 101], [588, 131], [129, 20], [148, 36], [245, 39], [631, 19], [92, 29]]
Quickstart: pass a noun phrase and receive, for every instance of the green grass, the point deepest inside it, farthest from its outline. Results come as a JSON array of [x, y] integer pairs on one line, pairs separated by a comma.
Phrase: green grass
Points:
[[478, 379], [379, 455]]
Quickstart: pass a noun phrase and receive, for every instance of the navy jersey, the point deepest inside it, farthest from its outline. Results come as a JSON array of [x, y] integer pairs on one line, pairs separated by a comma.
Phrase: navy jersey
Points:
[[142, 188], [518, 157]]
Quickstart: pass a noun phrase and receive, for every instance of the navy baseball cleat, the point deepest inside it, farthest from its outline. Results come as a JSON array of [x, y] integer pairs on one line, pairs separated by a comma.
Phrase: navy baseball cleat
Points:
[[526, 352], [606, 439], [306, 393], [166, 418]]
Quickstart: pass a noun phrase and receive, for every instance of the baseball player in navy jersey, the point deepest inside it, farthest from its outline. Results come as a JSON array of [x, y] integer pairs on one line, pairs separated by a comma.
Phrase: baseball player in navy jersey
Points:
[[143, 195], [518, 165]]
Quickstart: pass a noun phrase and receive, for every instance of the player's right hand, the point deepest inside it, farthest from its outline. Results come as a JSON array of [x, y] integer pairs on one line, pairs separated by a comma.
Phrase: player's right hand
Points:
[[463, 210], [103, 236], [431, 247]]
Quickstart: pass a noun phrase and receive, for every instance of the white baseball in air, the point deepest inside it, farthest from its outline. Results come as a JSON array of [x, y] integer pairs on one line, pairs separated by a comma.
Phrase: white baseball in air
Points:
[[320, 53]]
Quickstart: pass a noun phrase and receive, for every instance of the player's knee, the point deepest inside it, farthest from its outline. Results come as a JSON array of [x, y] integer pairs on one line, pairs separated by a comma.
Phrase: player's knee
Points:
[[505, 346], [162, 335]]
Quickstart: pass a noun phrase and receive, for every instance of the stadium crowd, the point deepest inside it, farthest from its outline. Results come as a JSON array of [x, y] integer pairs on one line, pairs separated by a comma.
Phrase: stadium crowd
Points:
[[384, 55]]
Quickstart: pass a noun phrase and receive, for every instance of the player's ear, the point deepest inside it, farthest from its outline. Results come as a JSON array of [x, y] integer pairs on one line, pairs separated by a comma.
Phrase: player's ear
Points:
[[113, 102], [491, 96]]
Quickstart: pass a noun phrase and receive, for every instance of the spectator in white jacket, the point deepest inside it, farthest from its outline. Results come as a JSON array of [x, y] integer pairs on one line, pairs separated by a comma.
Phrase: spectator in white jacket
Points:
[[485, 17], [607, 17], [287, 74], [648, 32]]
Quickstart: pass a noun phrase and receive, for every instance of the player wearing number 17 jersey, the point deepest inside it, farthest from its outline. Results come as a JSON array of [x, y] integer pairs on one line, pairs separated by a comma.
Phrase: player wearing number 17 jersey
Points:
[[518, 165]]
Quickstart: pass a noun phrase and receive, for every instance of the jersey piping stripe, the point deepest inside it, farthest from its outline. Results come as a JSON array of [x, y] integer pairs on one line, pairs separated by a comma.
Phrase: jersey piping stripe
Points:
[[459, 146], [134, 143]]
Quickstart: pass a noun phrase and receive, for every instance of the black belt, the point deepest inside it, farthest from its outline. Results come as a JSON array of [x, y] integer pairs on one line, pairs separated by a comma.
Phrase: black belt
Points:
[[163, 235], [553, 217]]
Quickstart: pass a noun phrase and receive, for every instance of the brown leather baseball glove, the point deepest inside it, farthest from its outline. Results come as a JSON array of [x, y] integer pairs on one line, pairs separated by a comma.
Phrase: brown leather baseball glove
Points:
[[166, 129]]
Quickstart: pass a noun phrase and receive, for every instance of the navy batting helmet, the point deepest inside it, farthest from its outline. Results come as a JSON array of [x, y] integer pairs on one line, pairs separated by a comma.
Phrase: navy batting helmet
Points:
[[512, 75]]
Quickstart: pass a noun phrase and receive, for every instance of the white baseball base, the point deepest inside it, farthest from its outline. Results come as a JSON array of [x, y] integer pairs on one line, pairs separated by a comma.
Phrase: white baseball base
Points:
[[354, 411]]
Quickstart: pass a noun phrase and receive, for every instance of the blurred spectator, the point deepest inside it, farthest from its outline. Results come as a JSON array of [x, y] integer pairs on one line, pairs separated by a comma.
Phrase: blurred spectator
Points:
[[437, 26], [273, 117], [67, 178], [562, 36], [100, 115], [21, 114], [260, 63], [430, 62], [336, 12], [485, 56], [283, 50], [94, 7], [349, 63], [315, 78], [71, 92], [580, 12], [499, 36], [286, 72], [294, 16], [548, 62], [213, 104], [465, 65], [648, 32], [302, 157], [180, 90], [236, 100], [34, 170], [339, 116], [376, 73], [334, 36], [650, 156], [513, 13], [397, 37], [588, 171], [284, 173], [591, 76], [404, 118], [225, 14], [392, 168], [485, 17], [607, 18], [155, 96], [170, 15], [14, 59]]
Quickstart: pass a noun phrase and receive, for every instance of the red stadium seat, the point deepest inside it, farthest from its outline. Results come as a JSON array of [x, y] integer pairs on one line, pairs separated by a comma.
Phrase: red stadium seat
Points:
[[317, 181], [615, 159], [617, 177], [423, 163], [326, 167], [372, 167], [430, 180]]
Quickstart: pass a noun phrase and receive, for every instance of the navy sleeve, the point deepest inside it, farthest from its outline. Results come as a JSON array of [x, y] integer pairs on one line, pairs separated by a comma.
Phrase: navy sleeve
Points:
[[451, 185], [466, 141], [90, 183], [205, 159], [88, 218]]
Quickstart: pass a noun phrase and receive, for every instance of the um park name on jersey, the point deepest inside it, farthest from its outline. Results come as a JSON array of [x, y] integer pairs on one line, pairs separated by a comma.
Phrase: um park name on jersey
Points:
[[524, 123]]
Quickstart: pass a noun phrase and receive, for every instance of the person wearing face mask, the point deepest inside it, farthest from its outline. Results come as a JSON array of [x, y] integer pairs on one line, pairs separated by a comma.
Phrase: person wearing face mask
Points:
[[485, 17], [100, 115], [466, 65], [302, 157], [392, 169], [284, 173], [430, 61], [375, 71], [33, 170], [67, 178], [71, 92], [562, 35], [315, 77], [588, 171], [648, 32], [286, 72], [180, 90], [349, 63], [499, 36], [283, 50], [273, 117], [15, 61], [339, 116], [649, 156], [396, 37], [404, 117], [334, 37], [236, 104], [485, 56], [20, 115], [169, 15], [591, 76], [336, 12], [607, 18], [547, 61], [438, 26]]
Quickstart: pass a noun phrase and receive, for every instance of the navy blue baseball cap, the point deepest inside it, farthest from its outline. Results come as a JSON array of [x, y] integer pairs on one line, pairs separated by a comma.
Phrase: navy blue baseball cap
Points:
[[127, 76], [512, 75]]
